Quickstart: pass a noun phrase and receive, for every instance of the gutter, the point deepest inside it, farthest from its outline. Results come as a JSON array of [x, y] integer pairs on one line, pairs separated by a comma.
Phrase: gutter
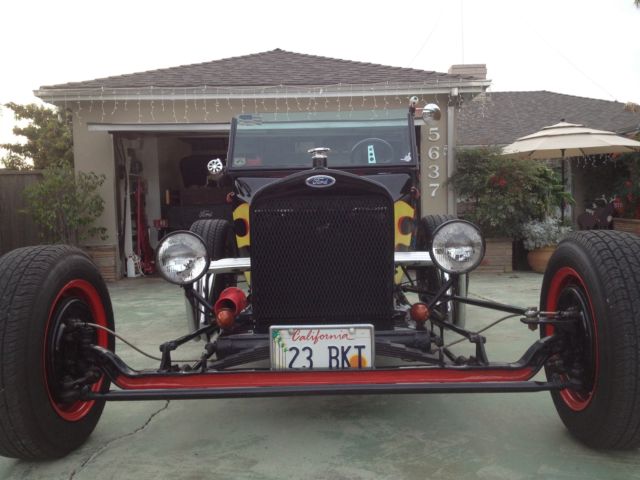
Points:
[[262, 92]]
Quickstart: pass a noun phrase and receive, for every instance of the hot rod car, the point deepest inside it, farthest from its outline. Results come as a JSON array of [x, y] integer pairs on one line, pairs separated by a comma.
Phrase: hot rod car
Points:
[[328, 281]]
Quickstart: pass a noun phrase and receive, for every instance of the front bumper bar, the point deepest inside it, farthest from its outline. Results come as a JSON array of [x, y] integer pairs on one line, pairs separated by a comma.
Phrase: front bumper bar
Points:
[[243, 264], [185, 384], [297, 390]]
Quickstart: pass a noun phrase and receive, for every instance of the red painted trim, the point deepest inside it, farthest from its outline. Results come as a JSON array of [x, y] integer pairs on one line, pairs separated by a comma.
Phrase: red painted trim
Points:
[[310, 379], [84, 290], [563, 278]]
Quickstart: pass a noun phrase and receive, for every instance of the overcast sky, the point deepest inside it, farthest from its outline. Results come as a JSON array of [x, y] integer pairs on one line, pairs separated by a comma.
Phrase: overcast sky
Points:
[[588, 48]]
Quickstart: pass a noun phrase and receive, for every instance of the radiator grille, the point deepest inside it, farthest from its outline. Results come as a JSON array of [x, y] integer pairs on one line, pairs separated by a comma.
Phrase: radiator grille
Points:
[[322, 259]]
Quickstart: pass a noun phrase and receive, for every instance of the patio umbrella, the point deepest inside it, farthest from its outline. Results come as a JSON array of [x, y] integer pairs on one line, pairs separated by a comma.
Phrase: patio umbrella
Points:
[[569, 140], [564, 140]]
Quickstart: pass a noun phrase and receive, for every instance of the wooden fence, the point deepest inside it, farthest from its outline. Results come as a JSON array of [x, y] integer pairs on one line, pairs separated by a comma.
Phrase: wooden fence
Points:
[[16, 228]]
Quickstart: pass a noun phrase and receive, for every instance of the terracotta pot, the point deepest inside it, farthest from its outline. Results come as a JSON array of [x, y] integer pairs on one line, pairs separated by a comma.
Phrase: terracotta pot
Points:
[[539, 258]]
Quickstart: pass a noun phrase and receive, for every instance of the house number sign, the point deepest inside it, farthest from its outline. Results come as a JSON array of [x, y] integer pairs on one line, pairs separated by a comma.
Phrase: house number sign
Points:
[[433, 166]]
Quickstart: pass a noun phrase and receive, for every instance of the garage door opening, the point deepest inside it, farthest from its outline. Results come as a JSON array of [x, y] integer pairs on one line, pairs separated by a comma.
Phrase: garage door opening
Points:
[[163, 185]]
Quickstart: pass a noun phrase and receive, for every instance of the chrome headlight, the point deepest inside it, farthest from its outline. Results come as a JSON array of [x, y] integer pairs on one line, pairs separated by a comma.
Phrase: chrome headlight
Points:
[[457, 246], [182, 257]]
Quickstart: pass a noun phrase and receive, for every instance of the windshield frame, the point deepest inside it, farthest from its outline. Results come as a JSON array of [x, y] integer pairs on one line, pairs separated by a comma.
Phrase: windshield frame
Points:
[[413, 164]]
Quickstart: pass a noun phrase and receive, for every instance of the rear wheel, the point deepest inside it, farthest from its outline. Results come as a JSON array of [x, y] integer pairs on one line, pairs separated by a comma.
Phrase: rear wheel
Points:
[[219, 237], [596, 275], [47, 293]]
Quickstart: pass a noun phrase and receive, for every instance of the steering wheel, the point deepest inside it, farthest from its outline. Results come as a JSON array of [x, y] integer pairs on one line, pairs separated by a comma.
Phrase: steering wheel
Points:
[[373, 150]]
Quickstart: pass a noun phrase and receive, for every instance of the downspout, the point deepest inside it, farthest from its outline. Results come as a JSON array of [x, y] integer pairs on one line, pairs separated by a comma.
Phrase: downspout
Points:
[[451, 149], [460, 309]]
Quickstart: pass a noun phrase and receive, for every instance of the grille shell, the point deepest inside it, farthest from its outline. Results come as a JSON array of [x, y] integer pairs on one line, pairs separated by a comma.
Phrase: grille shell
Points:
[[322, 255]]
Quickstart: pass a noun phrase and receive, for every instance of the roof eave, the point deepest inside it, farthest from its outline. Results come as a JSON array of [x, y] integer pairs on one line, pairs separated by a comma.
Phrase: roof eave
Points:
[[270, 91]]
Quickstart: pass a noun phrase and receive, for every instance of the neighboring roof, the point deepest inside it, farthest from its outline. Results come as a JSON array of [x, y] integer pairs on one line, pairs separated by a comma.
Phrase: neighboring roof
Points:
[[275, 67], [499, 118]]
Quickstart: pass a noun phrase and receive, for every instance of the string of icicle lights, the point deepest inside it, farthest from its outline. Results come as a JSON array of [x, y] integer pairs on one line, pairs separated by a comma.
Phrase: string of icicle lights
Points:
[[200, 104]]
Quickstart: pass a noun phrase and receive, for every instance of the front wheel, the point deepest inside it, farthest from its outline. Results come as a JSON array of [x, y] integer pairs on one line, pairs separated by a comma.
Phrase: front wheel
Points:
[[596, 276], [47, 295]]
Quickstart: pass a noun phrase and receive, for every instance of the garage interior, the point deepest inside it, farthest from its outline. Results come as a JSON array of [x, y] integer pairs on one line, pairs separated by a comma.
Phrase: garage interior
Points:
[[163, 185]]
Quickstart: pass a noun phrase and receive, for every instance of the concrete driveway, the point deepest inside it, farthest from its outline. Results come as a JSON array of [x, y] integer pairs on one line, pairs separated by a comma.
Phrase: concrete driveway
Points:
[[479, 436]]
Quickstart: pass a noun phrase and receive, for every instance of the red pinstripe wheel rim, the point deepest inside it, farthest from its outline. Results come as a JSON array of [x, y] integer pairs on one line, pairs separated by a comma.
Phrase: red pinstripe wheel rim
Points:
[[84, 291], [564, 278]]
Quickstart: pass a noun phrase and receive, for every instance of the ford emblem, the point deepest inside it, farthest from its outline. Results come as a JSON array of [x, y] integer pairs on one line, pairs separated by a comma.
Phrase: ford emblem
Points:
[[320, 181]]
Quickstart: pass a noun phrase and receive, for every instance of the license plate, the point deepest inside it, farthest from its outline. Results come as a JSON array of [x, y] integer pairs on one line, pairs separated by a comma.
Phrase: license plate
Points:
[[334, 347]]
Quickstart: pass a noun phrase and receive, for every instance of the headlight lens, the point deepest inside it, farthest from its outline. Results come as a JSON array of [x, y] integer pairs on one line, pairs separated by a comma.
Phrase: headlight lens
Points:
[[182, 257], [457, 246]]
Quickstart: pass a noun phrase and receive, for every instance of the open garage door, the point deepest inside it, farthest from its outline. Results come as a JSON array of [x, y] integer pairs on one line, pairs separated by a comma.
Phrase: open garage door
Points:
[[163, 184]]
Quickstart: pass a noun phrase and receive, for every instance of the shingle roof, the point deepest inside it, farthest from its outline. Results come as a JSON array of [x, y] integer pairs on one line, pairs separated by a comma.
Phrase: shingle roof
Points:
[[275, 67], [499, 118]]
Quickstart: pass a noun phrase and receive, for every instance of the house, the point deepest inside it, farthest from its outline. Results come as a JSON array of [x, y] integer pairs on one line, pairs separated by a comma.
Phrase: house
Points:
[[136, 129], [499, 118]]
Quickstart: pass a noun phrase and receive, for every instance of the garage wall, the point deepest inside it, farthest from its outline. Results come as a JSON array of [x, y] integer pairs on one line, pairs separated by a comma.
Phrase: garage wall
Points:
[[169, 150], [148, 156]]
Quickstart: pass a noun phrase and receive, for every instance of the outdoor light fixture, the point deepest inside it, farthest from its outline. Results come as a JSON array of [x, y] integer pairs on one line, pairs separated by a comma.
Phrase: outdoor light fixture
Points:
[[431, 113], [457, 246], [182, 257]]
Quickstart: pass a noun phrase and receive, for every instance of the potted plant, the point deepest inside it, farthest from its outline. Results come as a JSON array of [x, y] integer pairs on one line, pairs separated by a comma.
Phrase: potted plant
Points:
[[540, 239]]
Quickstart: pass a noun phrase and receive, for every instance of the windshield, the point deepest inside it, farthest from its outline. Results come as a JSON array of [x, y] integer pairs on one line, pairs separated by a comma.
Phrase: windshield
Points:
[[356, 139]]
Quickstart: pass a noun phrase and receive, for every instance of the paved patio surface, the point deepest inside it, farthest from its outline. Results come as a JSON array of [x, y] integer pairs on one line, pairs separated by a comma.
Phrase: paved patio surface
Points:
[[479, 436]]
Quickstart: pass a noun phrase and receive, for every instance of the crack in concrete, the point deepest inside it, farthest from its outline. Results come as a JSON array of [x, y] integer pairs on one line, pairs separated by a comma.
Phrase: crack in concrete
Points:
[[102, 449]]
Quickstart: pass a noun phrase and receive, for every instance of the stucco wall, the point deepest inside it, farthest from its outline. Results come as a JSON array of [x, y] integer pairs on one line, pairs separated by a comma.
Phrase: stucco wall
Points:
[[93, 152]]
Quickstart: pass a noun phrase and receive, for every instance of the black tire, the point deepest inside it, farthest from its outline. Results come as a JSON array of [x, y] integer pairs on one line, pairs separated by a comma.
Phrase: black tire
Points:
[[598, 272], [36, 283], [428, 225], [432, 278], [219, 237]]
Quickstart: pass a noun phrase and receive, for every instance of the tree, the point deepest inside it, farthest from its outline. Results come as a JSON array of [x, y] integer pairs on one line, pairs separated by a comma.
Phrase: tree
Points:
[[66, 206], [48, 136], [12, 161]]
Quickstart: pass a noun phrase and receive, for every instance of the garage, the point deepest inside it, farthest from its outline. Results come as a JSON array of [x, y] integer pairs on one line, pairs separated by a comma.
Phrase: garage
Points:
[[167, 124]]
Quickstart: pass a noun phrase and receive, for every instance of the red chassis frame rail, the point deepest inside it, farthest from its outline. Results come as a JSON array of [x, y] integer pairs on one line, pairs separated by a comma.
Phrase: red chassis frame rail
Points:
[[154, 385]]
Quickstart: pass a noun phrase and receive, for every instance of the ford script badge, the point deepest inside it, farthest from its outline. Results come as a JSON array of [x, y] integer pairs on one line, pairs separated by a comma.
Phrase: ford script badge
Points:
[[320, 181]]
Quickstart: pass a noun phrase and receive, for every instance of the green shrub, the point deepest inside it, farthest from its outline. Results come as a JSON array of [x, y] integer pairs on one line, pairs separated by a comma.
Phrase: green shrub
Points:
[[504, 193], [66, 206]]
